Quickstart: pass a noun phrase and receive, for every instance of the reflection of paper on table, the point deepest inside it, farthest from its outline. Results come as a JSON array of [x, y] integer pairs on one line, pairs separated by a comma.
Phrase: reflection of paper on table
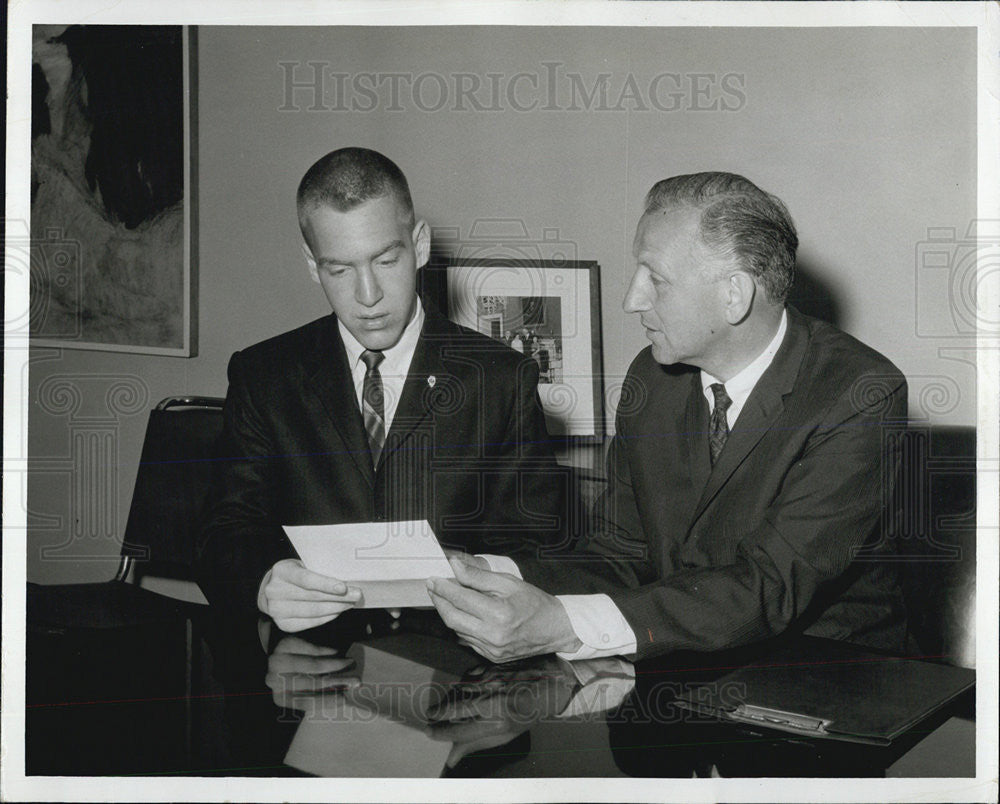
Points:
[[341, 739], [396, 686], [388, 561], [376, 728]]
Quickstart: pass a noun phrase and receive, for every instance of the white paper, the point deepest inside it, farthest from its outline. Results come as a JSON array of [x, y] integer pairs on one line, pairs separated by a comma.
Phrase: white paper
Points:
[[388, 561]]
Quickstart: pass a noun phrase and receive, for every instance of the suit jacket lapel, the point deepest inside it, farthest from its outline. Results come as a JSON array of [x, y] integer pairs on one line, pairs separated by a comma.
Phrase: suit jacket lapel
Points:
[[418, 393], [330, 379], [696, 432], [762, 408]]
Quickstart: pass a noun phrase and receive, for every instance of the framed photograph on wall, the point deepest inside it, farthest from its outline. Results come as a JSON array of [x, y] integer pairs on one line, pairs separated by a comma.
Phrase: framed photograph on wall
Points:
[[551, 311], [113, 261]]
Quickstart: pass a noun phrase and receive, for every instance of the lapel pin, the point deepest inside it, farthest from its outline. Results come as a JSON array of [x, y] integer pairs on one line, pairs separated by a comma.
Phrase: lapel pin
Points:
[[431, 380]]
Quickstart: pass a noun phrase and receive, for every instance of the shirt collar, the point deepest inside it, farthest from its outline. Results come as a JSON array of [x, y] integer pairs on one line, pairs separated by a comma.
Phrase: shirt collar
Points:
[[396, 359], [739, 386]]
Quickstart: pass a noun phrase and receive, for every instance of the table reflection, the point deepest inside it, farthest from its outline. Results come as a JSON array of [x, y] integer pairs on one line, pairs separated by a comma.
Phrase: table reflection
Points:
[[417, 705], [370, 695]]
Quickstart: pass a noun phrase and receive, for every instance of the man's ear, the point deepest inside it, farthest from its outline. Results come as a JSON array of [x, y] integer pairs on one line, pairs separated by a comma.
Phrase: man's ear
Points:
[[311, 262], [422, 242], [740, 292]]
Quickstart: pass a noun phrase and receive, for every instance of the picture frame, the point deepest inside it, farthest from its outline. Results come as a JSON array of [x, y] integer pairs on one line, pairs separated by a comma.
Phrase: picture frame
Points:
[[113, 230], [550, 310]]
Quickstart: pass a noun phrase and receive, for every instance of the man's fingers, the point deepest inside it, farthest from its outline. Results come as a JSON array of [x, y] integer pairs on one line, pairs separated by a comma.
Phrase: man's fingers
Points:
[[298, 575], [307, 596], [480, 579], [293, 572], [467, 559], [484, 648], [487, 651], [464, 599], [471, 630], [297, 598], [455, 618], [462, 610], [306, 609]]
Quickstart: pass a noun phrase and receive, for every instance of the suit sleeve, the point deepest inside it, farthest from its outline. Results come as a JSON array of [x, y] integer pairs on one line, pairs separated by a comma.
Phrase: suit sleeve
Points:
[[614, 552], [241, 539], [829, 503]]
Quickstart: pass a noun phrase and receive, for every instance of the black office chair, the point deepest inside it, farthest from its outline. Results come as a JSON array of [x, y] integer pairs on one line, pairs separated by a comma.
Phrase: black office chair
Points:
[[155, 578], [153, 637]]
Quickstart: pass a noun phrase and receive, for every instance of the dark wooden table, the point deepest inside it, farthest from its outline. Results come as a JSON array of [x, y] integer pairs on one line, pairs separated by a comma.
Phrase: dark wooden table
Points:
[[369, 696]]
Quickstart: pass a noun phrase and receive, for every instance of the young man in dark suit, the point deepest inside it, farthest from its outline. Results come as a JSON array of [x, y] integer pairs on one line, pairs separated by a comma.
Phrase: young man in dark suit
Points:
[[384, 410], [746, 491]]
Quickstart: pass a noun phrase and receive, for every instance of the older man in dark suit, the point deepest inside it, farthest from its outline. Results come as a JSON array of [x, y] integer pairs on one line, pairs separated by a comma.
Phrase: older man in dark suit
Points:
[[747, 477], [384, 410]]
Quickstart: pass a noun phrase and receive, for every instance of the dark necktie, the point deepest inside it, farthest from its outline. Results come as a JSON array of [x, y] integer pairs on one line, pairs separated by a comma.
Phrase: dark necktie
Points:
[[373, 403], [718, 428]]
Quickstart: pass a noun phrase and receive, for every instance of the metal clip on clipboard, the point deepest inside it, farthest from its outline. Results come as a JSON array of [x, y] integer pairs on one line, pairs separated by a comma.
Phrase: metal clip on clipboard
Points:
[[778, 719]]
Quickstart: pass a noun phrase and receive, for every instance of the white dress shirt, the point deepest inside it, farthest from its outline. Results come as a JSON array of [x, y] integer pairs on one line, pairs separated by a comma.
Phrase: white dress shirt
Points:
[[395, 364], [739, 387], [597, 622]]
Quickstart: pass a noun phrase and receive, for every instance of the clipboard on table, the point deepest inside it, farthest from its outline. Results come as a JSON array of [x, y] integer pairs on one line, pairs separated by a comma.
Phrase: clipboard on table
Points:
[[829, 689]]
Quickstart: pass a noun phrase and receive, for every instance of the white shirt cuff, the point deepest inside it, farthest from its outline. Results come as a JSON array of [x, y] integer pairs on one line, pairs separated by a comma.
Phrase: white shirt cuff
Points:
[[599, 625], [501, 564]]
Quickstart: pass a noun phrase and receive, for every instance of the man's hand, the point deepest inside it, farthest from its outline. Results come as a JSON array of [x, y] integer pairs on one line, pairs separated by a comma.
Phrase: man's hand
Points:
[[297, 598], [499, 616]]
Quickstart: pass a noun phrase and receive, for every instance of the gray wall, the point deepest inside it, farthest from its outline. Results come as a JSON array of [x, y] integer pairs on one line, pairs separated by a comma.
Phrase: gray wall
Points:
[[867, 134]]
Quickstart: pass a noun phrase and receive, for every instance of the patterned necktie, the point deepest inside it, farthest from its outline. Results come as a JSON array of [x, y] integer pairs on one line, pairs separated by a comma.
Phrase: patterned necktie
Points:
[[718, 428], [373, 403]]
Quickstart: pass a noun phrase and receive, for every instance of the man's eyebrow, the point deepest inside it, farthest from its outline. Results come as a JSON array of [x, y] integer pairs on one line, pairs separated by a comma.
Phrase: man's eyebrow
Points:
[[331, 261], [393, 245], [656, 269]]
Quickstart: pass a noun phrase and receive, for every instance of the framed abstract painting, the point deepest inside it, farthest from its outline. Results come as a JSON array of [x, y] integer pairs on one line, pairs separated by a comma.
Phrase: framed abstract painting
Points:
[[112, 232]]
